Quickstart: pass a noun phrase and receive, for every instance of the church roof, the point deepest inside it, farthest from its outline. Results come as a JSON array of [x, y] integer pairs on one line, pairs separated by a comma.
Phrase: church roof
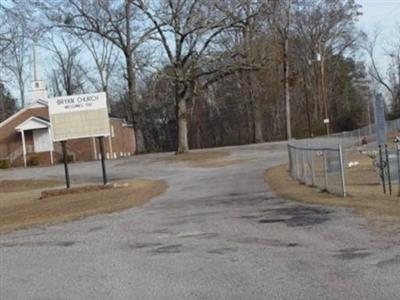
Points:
[[36, 104], [33, 123]]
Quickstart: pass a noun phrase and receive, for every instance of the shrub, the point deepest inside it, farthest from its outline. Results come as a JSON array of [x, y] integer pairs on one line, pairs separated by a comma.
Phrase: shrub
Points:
[[4, 164], [34, 161], [70, 159]]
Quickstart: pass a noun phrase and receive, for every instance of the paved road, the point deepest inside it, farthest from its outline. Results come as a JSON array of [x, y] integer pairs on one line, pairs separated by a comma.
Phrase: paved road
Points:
[[216, 233]]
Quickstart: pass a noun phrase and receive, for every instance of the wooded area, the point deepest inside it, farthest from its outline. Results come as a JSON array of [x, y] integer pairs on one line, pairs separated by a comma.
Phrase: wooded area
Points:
[[203, 73]]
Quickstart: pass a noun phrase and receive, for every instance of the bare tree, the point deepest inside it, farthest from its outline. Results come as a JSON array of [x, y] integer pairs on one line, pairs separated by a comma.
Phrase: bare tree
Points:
[[281, 23], [8, 105], [5, 31], [248, 37], [389, 80], [111, 20], [188, 32], [68, 73], [325, 30], [104, 58], [15, 50]]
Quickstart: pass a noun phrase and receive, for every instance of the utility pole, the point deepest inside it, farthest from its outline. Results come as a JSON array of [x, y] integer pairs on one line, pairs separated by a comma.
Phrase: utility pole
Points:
[[323, 89], [287, 70]]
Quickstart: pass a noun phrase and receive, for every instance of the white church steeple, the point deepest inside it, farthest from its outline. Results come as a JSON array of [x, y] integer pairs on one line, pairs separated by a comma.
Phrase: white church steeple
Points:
[[38, 87]]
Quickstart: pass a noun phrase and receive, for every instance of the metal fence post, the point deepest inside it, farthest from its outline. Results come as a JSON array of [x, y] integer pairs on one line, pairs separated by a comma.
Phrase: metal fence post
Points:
[[398, 169], [382, 169], [325, 171], [307, 166], [297, 163], [342, 172], [290, 160], [312, 169], [303, 159], [388, 169]]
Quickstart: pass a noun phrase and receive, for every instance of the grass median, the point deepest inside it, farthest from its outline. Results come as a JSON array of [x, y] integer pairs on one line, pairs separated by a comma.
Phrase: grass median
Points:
[[207, 159], [24, 208]]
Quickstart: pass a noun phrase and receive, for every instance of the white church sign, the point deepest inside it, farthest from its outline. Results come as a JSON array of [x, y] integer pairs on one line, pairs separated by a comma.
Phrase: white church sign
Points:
[[79, 116]]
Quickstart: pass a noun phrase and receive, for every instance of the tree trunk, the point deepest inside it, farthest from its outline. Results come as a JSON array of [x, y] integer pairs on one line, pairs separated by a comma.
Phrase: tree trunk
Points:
[[3, 107], [287, 72], [255, 114], [131, 78], [22, 93], [255, 118], [258, 128], [287, 88], [324, 92], [139, 140], [181, 115], [307, 99]]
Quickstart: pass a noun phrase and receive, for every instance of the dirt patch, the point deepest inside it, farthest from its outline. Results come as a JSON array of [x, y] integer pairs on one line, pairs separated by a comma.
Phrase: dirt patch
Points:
[[24, 209], [206, 159], [366, 196], [218, 163], [12, 186], [200, 156], [77, 190]]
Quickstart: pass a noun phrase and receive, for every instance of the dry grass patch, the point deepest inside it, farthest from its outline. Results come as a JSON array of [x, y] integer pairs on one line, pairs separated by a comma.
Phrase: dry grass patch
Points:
[[366, 196], [24, 209], [200, 156], [206, 159], [219, 163], [11, 186]]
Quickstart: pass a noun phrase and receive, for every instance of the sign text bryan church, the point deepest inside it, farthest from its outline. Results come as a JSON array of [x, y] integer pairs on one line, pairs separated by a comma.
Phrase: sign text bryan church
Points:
[[78, 102]]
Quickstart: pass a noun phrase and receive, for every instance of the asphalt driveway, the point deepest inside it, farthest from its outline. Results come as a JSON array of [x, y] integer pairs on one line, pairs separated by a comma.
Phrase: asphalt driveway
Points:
[[217, 233]]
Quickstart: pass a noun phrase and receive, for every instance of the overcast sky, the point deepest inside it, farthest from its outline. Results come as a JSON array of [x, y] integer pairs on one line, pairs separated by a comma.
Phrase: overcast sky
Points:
[[380, 16], [382, 13]]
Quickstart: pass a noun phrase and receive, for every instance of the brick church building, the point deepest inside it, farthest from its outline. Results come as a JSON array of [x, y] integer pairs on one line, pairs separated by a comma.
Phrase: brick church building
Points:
[[25, 137]]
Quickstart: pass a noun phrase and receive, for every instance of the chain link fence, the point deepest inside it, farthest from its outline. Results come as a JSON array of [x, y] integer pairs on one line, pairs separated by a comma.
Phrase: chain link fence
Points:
[[321, 161], [323, 168], [387, 162]]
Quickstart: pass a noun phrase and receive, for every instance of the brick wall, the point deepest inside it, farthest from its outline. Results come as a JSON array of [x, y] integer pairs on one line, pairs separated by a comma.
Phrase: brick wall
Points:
[[120, 144], [10, 139]]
